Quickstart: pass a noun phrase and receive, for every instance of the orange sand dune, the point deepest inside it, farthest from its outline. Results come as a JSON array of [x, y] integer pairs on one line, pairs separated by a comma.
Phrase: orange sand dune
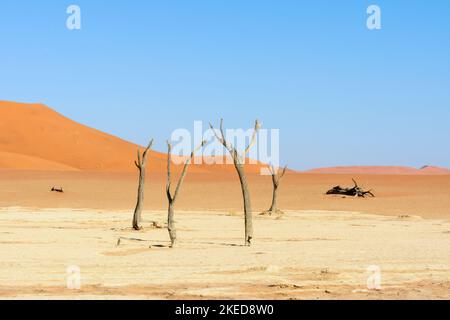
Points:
[[24, 162], [430, 170], [427, 170], [35, 137], [36, 131]]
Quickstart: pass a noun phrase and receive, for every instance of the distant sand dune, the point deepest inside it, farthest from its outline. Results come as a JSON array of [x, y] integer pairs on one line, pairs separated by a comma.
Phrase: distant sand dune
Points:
[[24, 162], [426, 170], [35, 137], [34, 130]]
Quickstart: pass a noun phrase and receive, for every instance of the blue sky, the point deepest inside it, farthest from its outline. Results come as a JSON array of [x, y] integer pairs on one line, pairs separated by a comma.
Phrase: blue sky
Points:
[[339, 93]]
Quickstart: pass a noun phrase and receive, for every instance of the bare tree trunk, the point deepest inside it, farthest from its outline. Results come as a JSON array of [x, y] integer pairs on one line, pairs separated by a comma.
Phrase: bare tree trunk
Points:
[[171, 225], [137, 217], [140, 164], [274, 207], [247, 205], [239, 161], [173, 198], [276, 178]]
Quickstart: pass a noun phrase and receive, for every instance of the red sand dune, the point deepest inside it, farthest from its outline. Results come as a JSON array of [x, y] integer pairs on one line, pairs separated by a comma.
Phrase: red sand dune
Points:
[[35, 137], [431, 170], [24, 162], [426, 170]]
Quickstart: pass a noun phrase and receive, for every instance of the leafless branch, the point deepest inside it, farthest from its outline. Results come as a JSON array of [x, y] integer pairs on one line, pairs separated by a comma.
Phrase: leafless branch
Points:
[[253, 139], [186, 165]]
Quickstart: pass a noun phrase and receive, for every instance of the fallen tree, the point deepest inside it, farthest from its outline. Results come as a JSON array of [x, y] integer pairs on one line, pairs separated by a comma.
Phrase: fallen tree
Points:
[[355, 191]]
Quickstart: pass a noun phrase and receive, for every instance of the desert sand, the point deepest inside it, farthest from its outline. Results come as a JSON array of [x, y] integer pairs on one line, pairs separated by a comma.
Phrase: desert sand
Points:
[[36, 137], [301, 255], [425, 196], [319, 249]]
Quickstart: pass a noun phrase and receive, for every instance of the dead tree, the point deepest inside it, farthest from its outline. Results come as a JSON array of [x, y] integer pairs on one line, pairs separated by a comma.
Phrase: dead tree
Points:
[[356, 191], [239, 160], [140, 163], [60, 190], [277, 175], [172, 198]]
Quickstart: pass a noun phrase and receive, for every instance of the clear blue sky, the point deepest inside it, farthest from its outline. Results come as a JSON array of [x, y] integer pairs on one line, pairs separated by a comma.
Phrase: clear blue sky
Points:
[[339, 93]]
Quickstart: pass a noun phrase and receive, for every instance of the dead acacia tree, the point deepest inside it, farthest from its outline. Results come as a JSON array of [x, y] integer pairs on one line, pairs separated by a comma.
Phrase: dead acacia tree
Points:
[[239, 160], [277, 175], [140, 163], [172, 198], [356, 191]]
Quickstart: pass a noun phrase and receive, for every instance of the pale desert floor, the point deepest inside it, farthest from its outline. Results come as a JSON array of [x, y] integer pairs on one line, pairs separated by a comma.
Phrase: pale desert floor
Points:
[[301, 255]]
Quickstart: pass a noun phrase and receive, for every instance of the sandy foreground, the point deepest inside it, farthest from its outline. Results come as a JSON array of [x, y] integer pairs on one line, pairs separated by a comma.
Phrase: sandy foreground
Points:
[[300, 255], [320, 249]]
